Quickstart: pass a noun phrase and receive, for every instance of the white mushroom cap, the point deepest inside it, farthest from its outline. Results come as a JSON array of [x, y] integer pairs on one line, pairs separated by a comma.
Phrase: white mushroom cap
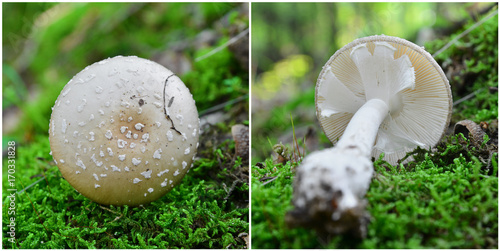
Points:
[[111, 138], [396, 71]]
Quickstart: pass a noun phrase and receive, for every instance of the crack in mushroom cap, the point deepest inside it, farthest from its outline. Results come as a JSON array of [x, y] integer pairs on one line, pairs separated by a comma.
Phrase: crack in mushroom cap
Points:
[[110, 137], [396, 71]]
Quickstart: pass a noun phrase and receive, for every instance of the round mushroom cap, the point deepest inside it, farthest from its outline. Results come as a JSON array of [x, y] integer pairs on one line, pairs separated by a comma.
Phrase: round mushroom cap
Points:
[[396, 71], [124, 131]]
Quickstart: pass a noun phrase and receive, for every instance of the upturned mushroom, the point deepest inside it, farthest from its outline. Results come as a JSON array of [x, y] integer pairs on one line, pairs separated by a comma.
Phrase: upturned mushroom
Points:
[[377, 94], [124, 131]]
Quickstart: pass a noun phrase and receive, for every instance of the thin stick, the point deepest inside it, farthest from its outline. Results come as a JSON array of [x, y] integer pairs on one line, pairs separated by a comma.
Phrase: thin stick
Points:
[[468, 96], [270, 180], [220, 106], [295, 140], [229, 42]]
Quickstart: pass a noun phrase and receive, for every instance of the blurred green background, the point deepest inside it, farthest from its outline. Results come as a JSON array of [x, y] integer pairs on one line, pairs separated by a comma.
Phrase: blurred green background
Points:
[[45, 44], [205, 44], [292, 41]]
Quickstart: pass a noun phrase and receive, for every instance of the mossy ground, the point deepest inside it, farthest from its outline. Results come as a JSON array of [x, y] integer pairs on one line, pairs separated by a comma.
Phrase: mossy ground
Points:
[[428, 205], [199, 213], [208, 209], [446, 198]]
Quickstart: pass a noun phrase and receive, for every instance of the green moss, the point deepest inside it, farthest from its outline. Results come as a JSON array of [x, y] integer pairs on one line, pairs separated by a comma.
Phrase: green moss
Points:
[[447, 199], [198, 213], [472, 63], [217, 81]]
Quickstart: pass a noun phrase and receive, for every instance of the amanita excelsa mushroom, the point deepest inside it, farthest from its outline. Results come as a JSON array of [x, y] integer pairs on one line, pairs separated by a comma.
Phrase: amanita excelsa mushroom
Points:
[[376, 95], [124, 131]]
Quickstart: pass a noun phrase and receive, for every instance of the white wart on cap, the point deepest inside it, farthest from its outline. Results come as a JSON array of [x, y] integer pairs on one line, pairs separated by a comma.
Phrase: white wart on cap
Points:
[[397, 72], [124, 131]]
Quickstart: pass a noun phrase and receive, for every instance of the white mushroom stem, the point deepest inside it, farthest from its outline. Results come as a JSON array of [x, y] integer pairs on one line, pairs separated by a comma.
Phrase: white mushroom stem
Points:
[[363, 127], [333, 182]]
